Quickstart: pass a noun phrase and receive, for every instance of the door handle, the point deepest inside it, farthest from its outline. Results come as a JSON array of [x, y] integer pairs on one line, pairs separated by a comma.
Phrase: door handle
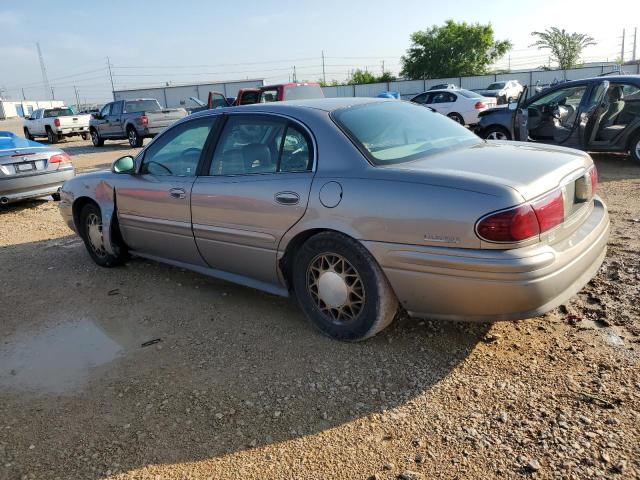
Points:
[[287, 198], [177, 193]]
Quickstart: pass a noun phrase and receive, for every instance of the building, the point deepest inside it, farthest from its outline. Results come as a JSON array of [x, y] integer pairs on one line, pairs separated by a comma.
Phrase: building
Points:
[[172, 96], [24, 108]]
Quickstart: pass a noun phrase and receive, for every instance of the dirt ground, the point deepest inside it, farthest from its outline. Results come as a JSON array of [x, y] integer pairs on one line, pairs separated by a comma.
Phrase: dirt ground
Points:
[[239, 386]]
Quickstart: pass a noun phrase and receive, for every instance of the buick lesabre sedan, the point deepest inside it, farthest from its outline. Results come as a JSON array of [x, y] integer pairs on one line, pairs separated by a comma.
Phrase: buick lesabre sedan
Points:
[[356, 207], [30, 169]]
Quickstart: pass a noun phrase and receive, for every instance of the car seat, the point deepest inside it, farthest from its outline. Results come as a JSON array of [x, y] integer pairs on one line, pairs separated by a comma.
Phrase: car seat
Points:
[[257, 158], [609, 129]]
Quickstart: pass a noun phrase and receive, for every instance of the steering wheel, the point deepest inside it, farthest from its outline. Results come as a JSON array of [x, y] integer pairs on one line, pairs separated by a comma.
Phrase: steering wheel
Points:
[[160, 165]]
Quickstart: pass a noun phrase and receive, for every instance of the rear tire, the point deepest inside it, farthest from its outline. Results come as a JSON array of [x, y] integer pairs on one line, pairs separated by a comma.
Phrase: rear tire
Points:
[[96, 139], [456, 117], [51, 137], [496, 133], [27, 135], [90, 229], [56, 196], [134, 139], [341, 289], [634, 148], [84, 136]]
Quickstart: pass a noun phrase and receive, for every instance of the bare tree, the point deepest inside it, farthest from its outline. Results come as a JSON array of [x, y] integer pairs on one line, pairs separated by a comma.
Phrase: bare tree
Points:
[[565, 47]]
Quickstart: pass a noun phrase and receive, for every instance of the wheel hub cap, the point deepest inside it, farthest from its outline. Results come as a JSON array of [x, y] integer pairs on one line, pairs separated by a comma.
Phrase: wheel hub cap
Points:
[[94, 232], [335, 287]]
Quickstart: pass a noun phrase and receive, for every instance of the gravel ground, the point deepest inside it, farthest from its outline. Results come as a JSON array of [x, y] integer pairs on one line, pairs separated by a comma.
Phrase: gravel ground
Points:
[[233, 383]]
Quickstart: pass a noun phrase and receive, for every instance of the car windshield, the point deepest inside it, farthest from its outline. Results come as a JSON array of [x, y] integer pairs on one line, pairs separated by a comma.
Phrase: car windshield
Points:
[[395, 132], [496, 86], [468, 93], [303, 92], [142, 106], [58, 112]]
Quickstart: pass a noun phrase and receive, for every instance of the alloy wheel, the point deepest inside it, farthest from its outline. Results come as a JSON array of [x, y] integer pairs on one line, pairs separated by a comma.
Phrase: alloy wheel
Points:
[[496, 135], [335, 287]]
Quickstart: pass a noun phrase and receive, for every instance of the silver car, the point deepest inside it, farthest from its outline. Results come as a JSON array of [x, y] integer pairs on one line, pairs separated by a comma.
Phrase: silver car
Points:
[[355, 206], [30, 169]]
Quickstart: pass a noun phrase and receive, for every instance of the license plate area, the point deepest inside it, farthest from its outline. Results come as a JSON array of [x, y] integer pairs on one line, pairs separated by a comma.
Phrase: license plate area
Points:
[[24, 167]]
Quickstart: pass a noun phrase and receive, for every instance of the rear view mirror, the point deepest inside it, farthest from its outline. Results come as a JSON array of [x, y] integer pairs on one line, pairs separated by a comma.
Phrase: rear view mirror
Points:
[[123, 165]]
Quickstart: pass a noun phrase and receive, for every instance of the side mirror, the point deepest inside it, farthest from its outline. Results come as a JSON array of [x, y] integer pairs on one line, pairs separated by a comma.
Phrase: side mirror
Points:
[[123, 165]]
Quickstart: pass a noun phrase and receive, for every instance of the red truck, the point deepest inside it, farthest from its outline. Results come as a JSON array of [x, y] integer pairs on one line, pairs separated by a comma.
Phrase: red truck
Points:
[[267, 93]]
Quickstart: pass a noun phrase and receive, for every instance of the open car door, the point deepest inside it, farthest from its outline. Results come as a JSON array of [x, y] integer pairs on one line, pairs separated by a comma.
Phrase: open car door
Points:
[[248, 96], [591, 118], [217, 100], [520, 125]]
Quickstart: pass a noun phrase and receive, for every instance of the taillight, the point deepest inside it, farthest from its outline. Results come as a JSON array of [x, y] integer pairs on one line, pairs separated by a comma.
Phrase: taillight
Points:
[[480, 105], [144, 120], [60, 158], [512, 225], [549, 210], [56, 122], [593, 176], [525, 221]]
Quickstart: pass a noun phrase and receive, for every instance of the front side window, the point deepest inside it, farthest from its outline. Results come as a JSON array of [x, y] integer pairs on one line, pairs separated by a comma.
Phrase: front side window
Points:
[[116, 109], [422, 98], [177, 151], [396, 132], [106, 110], [565, 96]]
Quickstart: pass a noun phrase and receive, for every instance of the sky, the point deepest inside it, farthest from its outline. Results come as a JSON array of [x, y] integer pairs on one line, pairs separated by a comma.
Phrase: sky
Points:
[[189, 41]]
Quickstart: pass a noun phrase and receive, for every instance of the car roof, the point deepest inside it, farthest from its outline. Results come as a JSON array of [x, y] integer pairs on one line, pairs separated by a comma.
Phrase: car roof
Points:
[[610, 78]]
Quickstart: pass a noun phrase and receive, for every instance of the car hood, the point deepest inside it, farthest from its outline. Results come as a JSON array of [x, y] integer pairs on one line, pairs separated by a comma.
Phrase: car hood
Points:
[[530, 170]]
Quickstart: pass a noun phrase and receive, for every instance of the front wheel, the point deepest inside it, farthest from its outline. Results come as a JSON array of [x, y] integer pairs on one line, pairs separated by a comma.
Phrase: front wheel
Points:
[[96, 139], [456, 117], [634, 149], [496, 133], [341, 288], [27, 134], [134, 139], [90, 229]]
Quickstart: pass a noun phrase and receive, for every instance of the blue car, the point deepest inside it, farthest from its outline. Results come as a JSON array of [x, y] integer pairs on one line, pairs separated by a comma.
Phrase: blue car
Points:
[[30, 169], [594, 114]]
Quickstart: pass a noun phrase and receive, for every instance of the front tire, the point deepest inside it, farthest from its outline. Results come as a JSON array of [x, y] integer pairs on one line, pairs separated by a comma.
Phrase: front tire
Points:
[[634, 148], [134, 139], [90, 229], [27, 134], [51, 137], [96, 139], [456, 117], [341, 289], [496, 133]]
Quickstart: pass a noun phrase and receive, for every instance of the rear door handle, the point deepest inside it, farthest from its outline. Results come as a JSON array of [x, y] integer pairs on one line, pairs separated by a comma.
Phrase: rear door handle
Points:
[[177, 193], [287, 198]]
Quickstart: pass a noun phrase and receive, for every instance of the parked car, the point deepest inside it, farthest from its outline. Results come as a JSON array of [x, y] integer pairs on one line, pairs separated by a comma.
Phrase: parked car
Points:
[[30, 169], [595, 114], [265, 94], [55, 124], [443, 86], [461, 105], [503, 92], [354, 206], [134, 120]]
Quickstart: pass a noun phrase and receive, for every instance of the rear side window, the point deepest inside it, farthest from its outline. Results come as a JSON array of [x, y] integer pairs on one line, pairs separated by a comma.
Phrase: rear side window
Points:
[[303, 92], [116, 109], [422, 98], [269, 96]]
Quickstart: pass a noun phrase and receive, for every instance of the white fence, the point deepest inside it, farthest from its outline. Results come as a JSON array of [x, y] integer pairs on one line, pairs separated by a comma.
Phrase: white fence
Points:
[[409, 88]]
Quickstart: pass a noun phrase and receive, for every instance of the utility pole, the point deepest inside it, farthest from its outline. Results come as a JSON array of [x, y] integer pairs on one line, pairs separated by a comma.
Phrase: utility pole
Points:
[[77, 98], [622, 52], [635, 37], [53, 95], [295, 78], [509, 62], [324, 78], [113, 90], [382, 67], [45, 80], [23, 95]]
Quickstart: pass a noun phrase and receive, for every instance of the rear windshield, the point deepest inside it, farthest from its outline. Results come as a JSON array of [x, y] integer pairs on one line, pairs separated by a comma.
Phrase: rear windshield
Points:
[[468, 93], [141, 106], [58, 112], [303, 92], [496, 86], [395, 132]]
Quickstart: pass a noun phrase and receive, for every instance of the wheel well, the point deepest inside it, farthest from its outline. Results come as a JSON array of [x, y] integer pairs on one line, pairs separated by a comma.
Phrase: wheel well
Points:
[[632, 137], [286, 262], [92, 129], [47, 128]]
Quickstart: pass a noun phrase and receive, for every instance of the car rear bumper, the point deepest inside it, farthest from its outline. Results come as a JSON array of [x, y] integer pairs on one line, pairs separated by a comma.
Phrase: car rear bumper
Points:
[[32, 186], [493, 285], [72, 130]]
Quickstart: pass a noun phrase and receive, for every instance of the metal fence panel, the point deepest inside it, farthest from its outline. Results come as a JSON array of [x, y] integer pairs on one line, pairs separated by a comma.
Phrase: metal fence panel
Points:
[[477, 82], [330, 92], [370, 89], [435, 81], [407, 88], [179, 96]]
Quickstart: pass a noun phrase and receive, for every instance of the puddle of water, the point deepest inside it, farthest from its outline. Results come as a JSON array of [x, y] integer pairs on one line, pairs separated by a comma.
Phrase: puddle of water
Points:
[[61, 358]]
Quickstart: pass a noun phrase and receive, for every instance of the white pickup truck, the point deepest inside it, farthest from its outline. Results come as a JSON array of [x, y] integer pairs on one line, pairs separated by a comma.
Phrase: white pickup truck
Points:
[[55, 124]]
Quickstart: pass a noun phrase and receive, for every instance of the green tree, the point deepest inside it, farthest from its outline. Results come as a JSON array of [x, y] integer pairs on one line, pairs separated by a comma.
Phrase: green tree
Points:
[[386, 77], [565, 47], [361, 76], [331, 83], [452, 50]]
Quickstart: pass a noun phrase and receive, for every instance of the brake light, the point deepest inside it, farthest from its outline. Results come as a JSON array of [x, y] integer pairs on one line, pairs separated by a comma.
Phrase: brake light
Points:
[[593, 176], [549, 210], [480, 105], [144, 120], [525, 221], [512, 225], [56, 122], [60, 158]]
